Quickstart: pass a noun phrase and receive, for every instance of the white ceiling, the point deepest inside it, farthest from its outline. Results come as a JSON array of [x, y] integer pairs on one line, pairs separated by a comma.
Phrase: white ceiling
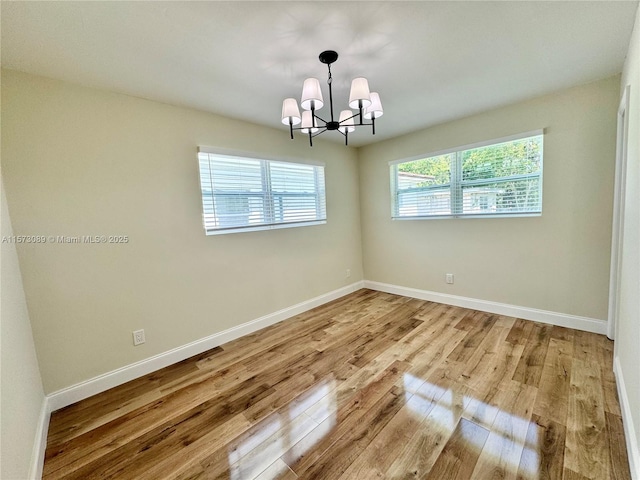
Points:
[[430, 61]]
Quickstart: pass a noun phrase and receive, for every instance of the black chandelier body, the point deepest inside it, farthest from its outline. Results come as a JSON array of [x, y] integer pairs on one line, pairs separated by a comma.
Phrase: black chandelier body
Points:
[[367, 103]]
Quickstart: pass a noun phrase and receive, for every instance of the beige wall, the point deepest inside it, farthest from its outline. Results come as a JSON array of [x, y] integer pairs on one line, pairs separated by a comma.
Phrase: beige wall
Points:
[[557, 262], [80, 161], [628, 328], [22, 396]]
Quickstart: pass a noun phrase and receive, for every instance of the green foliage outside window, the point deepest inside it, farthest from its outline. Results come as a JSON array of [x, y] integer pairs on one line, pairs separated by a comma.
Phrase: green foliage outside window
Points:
[[495, 161], [438, 167], [500, 178]]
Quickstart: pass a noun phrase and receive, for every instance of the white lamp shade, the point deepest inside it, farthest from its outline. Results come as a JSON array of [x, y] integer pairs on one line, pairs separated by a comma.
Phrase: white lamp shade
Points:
[[308, 120], [311, 94], [290, 111], [346, 116], [359, 93], [375, 109]]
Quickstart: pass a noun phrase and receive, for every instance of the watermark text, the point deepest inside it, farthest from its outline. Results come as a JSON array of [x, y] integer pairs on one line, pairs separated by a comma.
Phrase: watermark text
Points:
[[66, 239]]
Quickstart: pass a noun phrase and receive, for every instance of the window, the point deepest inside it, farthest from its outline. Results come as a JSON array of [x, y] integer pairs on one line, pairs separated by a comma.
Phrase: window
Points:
[[501, 177], [242, 193]]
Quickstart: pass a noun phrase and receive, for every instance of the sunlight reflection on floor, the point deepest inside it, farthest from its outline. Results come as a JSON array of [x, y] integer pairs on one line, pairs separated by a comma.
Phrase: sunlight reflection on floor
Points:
[[511, 437], [293, 431], [288, 432]]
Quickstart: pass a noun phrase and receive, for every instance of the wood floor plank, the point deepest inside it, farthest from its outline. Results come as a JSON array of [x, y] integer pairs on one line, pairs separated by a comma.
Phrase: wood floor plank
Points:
[[470, 320], [486, 366], [562, 333], [501, 454], [421, 451], [378, 456], [520, 332], [384, 341], [363, 316], [586, 346], [437, 347], [101, 441], [435, 319], [617, 448], [347, 418], [134, 457], [483, 408], [587, 446], [610, 391], [341, 454], [543, 454], [569, 474], [371, 385], [278, 470], [474, 337], [553, 393], [95, 411], [189, 457], [460, 454], [248, 460], [529, 369]]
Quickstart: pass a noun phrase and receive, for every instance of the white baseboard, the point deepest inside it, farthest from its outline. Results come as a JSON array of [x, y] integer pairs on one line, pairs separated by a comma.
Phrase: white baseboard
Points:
[[40, 441], [633, 452], [554, 318], [80, 391]]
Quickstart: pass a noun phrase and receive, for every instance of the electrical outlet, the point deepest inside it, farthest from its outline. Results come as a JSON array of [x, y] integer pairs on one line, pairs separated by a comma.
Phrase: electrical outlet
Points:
[[448, 278], [138, 337], [348, 274]]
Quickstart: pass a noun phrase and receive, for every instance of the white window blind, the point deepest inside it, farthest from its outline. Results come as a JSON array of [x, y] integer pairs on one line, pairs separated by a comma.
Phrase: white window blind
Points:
[[501, 177], [243, 193]]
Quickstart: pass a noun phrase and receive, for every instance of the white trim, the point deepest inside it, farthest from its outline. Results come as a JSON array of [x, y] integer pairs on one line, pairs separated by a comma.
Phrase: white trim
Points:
[[495, 141], [633, 452], [554, 318], [40, 441], [464, 216], [82, 390], [617, 227], [266, 226]]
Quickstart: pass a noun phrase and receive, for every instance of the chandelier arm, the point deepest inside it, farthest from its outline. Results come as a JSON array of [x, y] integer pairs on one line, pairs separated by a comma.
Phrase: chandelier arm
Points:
[[321, 119], [345, 135], [359, 125], [322, 130], [349, 118]]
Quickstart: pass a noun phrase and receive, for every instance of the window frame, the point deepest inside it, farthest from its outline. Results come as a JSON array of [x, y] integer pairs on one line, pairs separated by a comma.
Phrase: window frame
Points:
[[456, 184], [267, 191]]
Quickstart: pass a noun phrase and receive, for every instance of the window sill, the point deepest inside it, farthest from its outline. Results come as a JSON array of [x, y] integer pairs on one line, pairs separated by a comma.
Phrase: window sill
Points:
[[258, 228], [467, 216]]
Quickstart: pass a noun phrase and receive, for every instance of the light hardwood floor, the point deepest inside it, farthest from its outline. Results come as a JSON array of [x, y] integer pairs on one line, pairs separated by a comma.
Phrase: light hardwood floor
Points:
[[369, 386]]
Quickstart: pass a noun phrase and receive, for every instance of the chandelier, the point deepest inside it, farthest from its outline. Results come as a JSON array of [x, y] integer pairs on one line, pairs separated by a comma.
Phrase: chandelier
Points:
[[367, 103]]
